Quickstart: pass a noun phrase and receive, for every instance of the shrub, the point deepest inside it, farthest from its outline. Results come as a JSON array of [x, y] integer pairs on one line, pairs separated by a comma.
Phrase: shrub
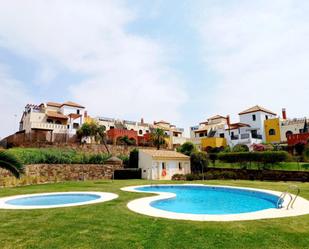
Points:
[[179, 177], [240, 148], [199, 161], [187, 148], [133, 159], [266, 157], [125, 160], [213, 157], [56, 156]]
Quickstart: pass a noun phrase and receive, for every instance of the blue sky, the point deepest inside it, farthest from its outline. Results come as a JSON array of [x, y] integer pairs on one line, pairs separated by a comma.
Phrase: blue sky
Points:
[[180, 61]]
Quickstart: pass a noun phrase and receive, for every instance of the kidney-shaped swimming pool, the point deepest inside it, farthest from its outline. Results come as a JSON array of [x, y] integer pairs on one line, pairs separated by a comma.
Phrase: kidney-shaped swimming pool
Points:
[[204, 202]]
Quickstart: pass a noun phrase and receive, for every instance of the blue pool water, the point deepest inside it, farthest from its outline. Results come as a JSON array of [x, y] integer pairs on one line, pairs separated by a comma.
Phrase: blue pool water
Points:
[[211, 200], [55, 199]]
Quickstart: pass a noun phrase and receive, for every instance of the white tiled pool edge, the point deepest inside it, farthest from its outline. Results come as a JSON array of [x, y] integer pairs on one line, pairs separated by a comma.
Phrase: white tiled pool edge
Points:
[[104, 196], [142, 206]]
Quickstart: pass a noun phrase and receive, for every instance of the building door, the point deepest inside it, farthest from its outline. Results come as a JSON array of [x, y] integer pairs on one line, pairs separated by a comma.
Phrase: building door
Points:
[[155, 171]]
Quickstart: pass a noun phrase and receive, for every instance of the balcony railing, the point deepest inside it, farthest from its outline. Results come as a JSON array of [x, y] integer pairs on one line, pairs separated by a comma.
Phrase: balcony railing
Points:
[[49, 126]]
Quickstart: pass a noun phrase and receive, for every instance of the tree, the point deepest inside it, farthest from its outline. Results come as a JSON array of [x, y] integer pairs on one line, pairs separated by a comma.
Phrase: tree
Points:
[[126, 140], [187, 148], [158, 137], [10, 163], [199, 162], [95, 130]]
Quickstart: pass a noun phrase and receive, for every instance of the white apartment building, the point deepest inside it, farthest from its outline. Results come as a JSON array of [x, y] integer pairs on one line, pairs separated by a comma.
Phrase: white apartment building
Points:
[[55, 118]]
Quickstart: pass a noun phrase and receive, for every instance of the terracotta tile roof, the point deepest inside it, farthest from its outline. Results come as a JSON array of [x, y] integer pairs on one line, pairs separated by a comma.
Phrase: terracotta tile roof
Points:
[[52, 114], [74, 115], [162, 122], [73, 104], [257, 109], [216, 117], [237, 125], [53, 104], [164, 154]]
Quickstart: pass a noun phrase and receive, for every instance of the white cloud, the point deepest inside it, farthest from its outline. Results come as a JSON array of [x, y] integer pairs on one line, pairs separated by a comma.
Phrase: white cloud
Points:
[[13, 98], [259, 50], [126, 75]]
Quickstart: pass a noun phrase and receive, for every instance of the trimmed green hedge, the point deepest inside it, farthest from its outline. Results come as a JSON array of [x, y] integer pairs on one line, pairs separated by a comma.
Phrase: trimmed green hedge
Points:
[[265, 157], [56, 156]]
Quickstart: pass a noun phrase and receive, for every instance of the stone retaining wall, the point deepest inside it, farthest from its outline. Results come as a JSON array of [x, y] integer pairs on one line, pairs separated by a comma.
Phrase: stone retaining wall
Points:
[[47, 173]]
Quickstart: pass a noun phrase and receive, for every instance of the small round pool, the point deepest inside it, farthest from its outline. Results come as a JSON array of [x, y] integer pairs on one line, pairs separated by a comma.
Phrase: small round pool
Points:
[[53, 200], [213, 203]]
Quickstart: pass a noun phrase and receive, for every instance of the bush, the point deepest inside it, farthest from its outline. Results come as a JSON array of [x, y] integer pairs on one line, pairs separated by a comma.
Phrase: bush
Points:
[[125, 160], [128, 174], [213, 157], [133, 159], [199, 161], [240, 148], [179, 177], [187, 148], [56, 156], [266, 158]]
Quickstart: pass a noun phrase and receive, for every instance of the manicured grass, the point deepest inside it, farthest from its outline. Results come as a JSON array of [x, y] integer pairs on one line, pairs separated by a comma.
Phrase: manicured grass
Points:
[[293, 166], [112, 225]]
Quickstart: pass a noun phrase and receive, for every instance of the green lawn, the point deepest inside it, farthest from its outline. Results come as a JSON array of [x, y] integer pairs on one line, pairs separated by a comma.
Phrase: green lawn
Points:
[[280, 166], [112, 225]]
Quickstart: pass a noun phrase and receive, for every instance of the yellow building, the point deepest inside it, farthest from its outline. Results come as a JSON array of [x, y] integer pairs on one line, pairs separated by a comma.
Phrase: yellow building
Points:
[[272, 130], [213, 142]]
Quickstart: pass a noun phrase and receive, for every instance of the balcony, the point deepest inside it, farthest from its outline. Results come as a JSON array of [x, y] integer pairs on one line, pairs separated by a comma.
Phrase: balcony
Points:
[[245, 138], [57, 128]]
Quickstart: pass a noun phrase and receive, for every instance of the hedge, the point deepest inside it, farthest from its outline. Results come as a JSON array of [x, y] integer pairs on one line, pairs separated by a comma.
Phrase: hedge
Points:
[[266, 157], [122, 174]]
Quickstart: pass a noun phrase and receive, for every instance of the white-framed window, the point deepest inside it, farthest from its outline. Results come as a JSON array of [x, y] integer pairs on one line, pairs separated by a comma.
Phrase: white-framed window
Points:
[[163, 164]]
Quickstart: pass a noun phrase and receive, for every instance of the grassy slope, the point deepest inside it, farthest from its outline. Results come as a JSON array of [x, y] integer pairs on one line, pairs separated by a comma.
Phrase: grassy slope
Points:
[[112, 225]]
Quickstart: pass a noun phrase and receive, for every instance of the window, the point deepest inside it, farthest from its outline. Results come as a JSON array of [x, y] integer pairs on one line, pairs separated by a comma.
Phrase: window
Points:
[[50, 121], [78, 112], [254, 117], [180, 166], [140, 132], [201, 134], [75, 125], [163, 165], [272, 132], [68, 126], [221, 135], [266, 117], [147, 131], [288, 133]]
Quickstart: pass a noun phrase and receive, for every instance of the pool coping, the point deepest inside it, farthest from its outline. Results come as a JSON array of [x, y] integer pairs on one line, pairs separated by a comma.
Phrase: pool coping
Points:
[[142, 206], [104, 196]]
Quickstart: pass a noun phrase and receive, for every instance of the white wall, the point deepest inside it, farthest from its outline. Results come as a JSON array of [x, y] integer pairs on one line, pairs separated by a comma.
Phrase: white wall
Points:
[[258, 124]]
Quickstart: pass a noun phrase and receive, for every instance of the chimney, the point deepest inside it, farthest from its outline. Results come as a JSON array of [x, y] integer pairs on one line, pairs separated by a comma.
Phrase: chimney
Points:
[[283, 113], [85, 114], [228, 121], [142, 121]]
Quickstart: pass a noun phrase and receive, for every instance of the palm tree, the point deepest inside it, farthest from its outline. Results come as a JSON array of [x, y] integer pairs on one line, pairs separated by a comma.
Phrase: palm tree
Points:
[[158, 137], [10, 163]]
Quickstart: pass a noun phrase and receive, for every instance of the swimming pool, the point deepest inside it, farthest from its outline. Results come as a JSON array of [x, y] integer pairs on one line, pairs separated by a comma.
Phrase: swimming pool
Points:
[[53, 200], [213, 203]]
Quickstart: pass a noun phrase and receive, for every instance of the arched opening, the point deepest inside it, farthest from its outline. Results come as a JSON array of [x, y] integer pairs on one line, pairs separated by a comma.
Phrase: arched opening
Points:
[[140, 132], [272, 132], [288, 133], [58, 122], [50, 121]]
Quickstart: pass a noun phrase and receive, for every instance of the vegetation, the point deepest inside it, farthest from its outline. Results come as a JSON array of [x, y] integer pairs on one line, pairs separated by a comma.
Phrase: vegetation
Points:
[[112, 225], [199, 162], [56, 156], [240, 148], [126, 141], [266, 158], [187, 148], [11, 163], [158, 137], [133, 159], [93, 130]]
